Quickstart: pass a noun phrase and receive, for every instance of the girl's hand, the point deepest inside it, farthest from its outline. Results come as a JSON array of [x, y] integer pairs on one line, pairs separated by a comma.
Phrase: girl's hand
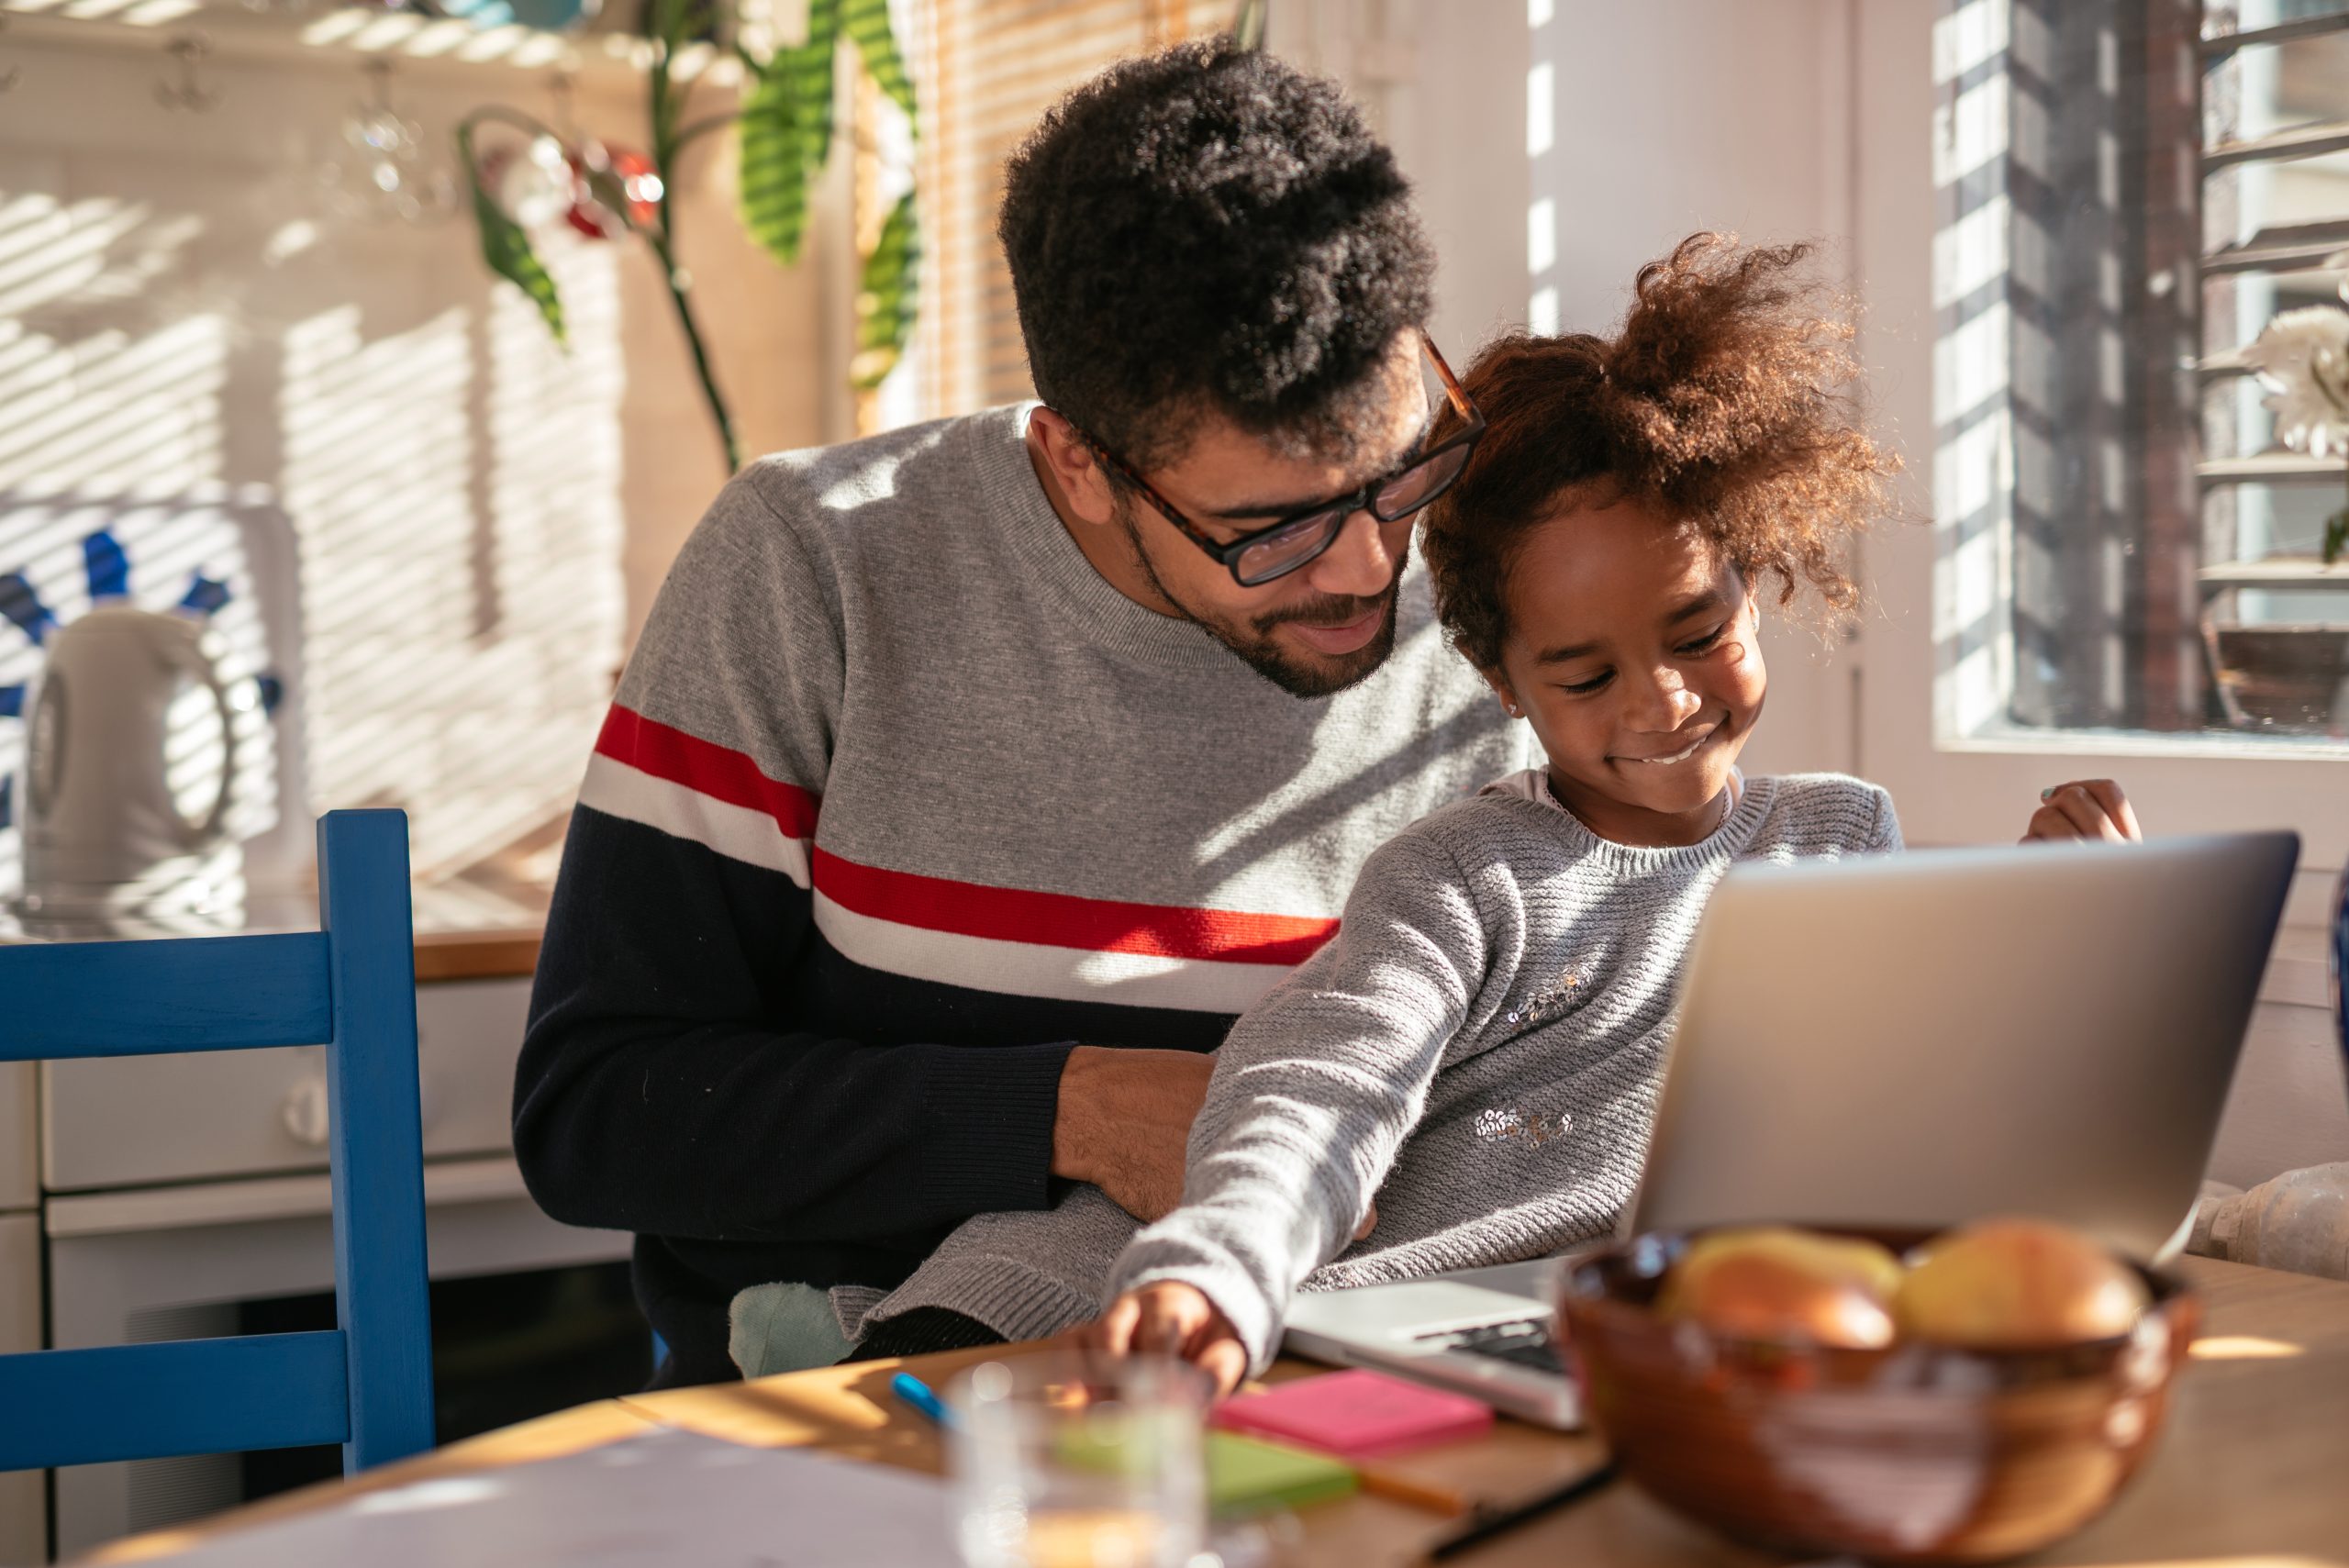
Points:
[[1176, 1319], [2084, 808]]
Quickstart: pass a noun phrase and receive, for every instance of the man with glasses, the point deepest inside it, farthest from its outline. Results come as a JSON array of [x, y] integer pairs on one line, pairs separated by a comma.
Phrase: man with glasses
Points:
[[969, 780]]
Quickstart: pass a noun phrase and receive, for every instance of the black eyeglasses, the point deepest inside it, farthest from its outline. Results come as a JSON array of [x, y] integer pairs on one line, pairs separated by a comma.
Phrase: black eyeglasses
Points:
[[1275, 550]]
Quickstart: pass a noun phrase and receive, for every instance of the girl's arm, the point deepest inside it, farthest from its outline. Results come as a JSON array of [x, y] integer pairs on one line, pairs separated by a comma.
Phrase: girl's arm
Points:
[[1314, 1092]]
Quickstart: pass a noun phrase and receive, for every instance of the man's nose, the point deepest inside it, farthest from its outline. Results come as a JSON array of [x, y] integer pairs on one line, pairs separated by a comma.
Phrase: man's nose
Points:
[[1359, 563]]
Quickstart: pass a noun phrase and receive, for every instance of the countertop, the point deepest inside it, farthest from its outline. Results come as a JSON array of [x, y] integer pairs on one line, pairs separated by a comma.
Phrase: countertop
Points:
[[466, 928]]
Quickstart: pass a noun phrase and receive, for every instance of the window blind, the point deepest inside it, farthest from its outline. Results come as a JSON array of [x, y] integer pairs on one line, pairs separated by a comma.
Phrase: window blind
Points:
[[2274, 188], [986, 70]]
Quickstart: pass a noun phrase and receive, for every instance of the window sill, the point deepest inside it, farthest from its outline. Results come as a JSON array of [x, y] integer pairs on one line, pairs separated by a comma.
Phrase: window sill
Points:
[[2206, 746]]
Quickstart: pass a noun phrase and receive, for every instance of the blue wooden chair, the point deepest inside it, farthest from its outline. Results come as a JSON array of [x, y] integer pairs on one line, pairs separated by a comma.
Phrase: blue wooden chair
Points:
[[366, 1383]]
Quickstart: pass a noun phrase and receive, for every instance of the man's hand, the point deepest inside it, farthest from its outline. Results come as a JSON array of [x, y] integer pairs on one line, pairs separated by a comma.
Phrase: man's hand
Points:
[[1124, 1119], [2084, 808], [1171, 1319]]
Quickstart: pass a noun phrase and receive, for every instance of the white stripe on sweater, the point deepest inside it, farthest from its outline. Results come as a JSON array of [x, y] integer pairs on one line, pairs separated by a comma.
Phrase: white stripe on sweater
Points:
[[1035, 969], [737, 832]]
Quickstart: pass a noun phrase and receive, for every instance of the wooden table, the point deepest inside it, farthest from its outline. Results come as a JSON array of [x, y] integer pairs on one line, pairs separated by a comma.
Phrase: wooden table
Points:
[[2253, 1472]]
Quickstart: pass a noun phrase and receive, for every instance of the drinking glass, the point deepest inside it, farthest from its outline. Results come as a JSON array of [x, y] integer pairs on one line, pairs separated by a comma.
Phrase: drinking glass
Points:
[[1062, 1460]]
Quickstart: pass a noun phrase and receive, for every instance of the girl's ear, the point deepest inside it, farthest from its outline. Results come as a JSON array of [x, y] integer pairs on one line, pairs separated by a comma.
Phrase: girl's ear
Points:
[[1500, 683]]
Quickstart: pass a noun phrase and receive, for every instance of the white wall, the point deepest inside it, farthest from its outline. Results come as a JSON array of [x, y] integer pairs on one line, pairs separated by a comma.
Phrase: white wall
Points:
[[1664, 118]]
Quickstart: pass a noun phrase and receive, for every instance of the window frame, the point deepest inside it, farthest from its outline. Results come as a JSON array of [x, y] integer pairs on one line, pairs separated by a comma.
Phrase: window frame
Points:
[[1981, 788]]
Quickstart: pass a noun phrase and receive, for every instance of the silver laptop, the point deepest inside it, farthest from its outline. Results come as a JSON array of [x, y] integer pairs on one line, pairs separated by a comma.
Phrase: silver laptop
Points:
[[1910, 1040]]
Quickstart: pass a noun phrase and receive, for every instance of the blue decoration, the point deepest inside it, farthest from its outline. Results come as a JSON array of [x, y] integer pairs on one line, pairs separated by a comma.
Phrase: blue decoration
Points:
[[2340, 962], [108, 568], [20, 605], [205, 595], [7, 803], [366, 1383], [547, 16], [273, 691], [12, 702]]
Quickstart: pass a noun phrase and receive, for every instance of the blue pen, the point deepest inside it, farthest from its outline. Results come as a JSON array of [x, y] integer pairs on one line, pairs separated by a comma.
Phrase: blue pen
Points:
[[919, 1394]]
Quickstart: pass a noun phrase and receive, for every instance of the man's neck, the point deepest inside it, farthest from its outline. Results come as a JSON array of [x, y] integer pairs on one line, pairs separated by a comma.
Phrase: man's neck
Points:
[[1104, 547]]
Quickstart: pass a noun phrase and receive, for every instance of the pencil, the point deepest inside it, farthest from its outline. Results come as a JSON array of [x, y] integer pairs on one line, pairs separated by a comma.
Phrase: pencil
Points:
[[1428, 1494], [1489, 1522]]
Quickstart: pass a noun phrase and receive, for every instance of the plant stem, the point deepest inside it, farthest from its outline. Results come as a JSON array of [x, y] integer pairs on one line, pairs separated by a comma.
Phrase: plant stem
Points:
[[665, 110], [669, 276]]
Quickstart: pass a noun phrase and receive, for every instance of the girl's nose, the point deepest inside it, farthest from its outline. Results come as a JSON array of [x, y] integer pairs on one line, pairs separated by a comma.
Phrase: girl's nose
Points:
[[1661, 702]]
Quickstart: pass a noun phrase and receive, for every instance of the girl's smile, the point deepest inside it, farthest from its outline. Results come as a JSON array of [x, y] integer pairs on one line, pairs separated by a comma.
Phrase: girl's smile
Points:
[[1632, 648], [1680, 756]]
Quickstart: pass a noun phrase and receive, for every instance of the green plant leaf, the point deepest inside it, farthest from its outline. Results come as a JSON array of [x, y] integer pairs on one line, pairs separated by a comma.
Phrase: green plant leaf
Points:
[[506, 248], [1248, 23], [787, 131], [867, 25], [888, 294]]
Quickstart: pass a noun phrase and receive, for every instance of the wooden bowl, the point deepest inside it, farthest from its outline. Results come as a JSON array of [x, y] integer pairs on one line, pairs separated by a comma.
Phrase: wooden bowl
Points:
[[1915, 1453]]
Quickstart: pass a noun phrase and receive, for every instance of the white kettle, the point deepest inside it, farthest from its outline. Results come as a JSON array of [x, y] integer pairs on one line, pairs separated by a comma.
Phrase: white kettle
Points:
[[130, 762]]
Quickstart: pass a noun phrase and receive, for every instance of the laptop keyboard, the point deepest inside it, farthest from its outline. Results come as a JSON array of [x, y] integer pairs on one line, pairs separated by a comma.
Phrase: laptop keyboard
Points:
[[1526, 1342]]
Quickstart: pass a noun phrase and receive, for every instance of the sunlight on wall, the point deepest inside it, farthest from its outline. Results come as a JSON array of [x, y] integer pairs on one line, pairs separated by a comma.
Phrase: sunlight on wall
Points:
[[1540, 117], [1980, 367], [457, 486], [451, 476], [81, 396], [1541, 214]]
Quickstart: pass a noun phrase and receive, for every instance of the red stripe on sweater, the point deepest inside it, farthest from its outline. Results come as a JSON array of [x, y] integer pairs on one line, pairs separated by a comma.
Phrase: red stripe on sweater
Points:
[[708, 768], [1065, 920]]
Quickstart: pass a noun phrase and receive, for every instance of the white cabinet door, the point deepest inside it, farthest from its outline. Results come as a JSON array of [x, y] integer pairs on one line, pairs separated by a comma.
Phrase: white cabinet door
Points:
[[24, 1522], [19, 1171], [136, 1120]]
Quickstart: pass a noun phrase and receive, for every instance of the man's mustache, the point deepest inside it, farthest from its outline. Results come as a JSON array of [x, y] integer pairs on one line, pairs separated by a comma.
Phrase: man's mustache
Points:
[[1329, 610]]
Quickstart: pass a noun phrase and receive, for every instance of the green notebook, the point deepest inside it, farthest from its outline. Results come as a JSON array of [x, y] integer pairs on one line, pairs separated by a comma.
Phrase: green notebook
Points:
[[1245, 1476]]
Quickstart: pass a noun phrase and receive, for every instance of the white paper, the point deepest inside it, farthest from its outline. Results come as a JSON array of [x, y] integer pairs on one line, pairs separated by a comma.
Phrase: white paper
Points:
[[662, 1497]]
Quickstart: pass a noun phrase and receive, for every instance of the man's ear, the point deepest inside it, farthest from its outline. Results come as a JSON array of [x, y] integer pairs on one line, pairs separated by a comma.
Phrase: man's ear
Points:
[[1071, 465]]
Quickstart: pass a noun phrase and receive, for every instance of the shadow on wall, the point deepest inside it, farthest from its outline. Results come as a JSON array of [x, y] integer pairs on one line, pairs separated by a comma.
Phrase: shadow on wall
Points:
[[170, 327]]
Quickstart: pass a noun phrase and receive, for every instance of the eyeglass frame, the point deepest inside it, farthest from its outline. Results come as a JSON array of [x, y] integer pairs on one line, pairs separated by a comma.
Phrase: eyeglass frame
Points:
[[1227, 552]]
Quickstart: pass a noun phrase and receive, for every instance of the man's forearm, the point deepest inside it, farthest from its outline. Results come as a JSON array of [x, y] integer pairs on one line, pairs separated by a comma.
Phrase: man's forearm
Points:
[[1122, 1119], [742, 1134]]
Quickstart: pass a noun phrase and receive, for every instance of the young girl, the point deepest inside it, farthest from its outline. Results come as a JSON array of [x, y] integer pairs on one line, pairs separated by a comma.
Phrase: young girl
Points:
[[1481, 1045]]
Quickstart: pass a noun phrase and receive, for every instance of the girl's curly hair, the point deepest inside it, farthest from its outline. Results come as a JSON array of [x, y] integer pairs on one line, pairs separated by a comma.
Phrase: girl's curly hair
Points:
[[1726, 399]]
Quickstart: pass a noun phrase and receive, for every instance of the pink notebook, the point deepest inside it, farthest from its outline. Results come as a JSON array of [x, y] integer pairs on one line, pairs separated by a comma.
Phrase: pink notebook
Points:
[[1357, 1414]]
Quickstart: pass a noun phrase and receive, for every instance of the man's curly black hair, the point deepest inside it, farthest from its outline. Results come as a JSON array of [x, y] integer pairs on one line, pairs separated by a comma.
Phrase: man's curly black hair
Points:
[[1205, 230]]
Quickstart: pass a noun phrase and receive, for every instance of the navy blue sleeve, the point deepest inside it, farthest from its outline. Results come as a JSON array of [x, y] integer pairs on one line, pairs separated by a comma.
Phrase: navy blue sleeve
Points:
[[670, 1084]]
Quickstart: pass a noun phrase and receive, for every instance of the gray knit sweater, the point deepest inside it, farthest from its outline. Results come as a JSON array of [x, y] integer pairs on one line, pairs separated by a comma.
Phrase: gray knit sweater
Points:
[[1480, 1048]]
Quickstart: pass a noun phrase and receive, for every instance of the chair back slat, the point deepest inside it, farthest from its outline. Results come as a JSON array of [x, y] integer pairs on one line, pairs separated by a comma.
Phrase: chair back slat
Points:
[[351, 986], [373, 1109], [154, 1401], [183, 993]]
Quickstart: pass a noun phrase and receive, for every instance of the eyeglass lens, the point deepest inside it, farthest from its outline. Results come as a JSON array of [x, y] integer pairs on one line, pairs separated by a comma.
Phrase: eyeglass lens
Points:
[[1418, 484], [1301, 540]]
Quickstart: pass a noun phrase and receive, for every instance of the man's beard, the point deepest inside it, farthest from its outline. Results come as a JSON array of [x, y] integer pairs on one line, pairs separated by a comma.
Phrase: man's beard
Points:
[[1252, 640]]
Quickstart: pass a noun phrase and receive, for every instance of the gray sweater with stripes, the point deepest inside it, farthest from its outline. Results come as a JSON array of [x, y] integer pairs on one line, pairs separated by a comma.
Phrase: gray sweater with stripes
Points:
[[1480, 1049]]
